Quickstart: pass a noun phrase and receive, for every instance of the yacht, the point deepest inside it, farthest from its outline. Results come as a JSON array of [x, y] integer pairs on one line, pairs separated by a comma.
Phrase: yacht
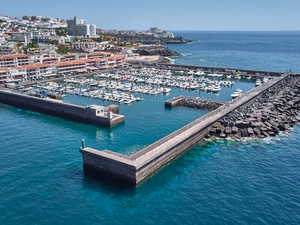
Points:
[[216, 88], [258, 82], [236, 93], [200, 73]]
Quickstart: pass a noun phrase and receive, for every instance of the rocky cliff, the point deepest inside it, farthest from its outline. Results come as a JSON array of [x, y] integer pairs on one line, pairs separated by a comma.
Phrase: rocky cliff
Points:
[[156, 50], [149, 39]]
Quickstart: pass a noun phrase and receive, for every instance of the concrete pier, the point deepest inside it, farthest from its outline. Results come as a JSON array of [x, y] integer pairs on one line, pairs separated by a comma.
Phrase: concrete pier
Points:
[[140, 165], [94, 114]]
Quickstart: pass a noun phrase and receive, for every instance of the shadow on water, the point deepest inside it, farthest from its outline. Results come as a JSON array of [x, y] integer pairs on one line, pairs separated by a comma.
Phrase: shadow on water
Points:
[[98, 180], [95, 179]]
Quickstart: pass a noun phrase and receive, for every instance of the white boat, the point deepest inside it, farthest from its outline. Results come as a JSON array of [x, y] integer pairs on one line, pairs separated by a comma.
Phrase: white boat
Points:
[[200, 73], [215, 75], [166, 90], [236, 93], [258, 82], [216, 88], [128, 101], [265, 80]]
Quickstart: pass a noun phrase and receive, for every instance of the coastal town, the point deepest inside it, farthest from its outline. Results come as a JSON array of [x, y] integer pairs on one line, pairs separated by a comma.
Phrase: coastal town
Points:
[[36, 48]]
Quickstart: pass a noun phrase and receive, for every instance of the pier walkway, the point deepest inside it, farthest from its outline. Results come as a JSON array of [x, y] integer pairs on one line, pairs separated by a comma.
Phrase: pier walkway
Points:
[[142, 164]]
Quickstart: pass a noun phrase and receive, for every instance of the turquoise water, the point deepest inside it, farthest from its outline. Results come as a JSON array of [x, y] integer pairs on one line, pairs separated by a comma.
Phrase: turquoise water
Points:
[[43, 182]]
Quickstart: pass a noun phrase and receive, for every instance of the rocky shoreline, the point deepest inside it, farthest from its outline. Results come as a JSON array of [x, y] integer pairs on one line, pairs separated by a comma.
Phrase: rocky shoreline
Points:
[[156, 50], [149, 39], [274, 111]]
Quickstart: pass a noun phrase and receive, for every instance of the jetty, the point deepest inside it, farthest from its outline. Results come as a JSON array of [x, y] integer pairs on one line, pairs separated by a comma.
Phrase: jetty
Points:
[[94, 114], [142, 164], [192, 102]]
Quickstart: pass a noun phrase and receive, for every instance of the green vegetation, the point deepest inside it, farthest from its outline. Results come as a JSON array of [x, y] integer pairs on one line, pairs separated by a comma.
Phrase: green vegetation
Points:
[[30, 45], [62, 31], [19, 44], [54, 42], [62, 49]]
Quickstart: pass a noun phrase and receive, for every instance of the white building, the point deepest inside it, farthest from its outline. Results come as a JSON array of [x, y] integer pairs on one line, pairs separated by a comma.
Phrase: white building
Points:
[[93, 30], [159, 33], [21, 36]]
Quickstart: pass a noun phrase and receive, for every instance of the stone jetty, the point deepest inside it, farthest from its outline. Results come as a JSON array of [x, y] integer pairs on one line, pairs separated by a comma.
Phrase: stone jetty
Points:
[[274, 111], [200, 103], [197, 103]]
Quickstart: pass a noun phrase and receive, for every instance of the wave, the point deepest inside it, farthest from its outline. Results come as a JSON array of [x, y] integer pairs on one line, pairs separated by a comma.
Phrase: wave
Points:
[[170, 59], [186, 54]]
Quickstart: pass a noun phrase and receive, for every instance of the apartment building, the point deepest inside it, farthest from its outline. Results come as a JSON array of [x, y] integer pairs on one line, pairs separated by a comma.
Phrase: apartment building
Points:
[[13, 60], [8, 48], [4, 75], [18, 73], [39, 70]]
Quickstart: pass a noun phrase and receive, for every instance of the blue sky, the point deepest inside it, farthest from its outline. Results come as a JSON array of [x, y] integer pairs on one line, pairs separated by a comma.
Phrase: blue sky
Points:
[[167, 14]]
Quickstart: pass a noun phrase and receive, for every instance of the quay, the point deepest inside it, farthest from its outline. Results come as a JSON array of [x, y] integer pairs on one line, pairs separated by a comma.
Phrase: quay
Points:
[[139, 166], [94, 114]]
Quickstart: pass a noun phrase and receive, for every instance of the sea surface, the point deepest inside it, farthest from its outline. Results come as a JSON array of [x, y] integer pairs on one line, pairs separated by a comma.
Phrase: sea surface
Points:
[[217, 182]]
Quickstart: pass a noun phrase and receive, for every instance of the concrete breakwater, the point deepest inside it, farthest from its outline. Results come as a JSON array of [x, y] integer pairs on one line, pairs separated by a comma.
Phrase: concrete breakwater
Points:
[[273, 111], [142, 164], [94, 114], [225, 71], [198, 103]]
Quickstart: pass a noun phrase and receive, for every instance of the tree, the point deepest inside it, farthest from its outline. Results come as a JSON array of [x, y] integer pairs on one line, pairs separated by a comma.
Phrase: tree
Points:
[[62, 49], [62, 31]]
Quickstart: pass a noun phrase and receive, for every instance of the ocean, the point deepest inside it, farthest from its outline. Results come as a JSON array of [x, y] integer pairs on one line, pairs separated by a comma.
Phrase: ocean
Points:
[[216, 182]]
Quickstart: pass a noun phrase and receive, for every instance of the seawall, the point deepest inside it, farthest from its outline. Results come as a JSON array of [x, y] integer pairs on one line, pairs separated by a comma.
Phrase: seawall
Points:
[[144, 163], [97, 115]]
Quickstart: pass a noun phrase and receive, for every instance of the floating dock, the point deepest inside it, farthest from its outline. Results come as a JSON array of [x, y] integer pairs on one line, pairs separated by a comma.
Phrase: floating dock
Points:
[[94, 114], [140, 165]]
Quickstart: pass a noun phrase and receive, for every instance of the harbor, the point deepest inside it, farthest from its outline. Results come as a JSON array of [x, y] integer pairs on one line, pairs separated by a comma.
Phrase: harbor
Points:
[[127, 86], [219, 180], [122, 85], [142, 164]]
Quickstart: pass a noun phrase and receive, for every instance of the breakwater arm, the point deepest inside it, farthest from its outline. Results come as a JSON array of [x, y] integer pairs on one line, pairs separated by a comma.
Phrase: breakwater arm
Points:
[[94, 114], [142, 164]]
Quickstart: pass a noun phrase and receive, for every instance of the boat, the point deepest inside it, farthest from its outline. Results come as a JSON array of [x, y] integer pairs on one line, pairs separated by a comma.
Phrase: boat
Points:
[[238, 76], [128, 101], [215, 75], [166, 90], [216, 88], [258, 82], [265, 80], [199, 73], [236, 93]]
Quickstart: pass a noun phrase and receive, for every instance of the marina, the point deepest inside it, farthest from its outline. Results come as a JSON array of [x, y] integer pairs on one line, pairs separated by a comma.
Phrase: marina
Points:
[[142, 164], [241, 181], [122, 85]]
